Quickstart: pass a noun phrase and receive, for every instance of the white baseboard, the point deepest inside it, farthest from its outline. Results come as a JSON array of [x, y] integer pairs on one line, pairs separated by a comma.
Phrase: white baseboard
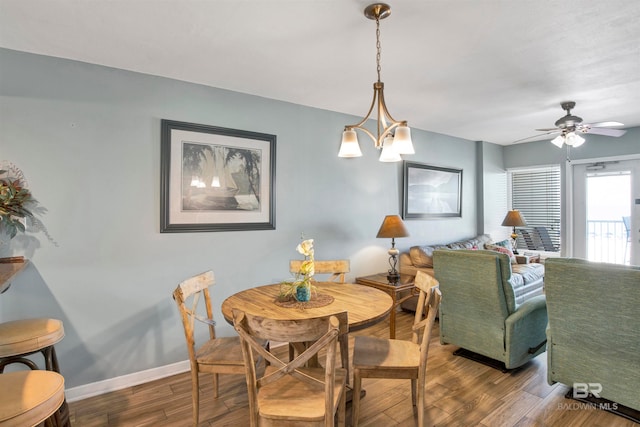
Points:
[[118, 383], [94, 389]]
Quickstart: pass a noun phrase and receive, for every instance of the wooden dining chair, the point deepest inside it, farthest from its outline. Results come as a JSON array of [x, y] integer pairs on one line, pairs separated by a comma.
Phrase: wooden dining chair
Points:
[[336, 268], [399, 359], [217, 355], [290, 392]]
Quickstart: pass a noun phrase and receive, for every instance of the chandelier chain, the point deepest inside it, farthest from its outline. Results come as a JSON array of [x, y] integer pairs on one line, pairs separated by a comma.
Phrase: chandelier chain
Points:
[[378, 68]]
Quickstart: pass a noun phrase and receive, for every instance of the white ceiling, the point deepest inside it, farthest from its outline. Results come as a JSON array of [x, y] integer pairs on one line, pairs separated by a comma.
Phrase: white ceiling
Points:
[[491, 70]]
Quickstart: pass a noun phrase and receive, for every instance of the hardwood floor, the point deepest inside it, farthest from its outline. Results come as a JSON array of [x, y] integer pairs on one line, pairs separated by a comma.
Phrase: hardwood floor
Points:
[[460, 393]]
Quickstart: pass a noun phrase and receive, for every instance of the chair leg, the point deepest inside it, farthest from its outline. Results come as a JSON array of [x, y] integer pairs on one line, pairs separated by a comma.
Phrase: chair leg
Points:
[[414, 386], [344, 353], [51, 362], [215, 386], [355, 397], [55, 420], [421, 395], [195, 396], [342, 409]]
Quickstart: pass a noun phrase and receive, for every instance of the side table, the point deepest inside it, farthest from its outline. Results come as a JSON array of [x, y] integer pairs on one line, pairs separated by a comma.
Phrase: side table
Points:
[[528, 258], [379, 281]]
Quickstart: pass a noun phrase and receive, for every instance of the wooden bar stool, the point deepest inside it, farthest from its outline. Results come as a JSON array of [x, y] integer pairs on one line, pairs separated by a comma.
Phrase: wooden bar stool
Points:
[[21, 338], [27, 398]]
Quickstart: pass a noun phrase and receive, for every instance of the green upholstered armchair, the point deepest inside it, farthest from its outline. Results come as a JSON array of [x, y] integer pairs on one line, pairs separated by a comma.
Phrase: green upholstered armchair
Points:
[[594, 327], [479, 309]]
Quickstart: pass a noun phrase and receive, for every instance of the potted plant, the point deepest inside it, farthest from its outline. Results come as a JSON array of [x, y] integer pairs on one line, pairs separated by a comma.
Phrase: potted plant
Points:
[[17, 205]]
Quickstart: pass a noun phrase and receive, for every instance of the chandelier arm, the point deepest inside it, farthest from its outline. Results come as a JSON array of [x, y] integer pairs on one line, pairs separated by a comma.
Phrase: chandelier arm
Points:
[[365, 130], [370, 134], [386, 113], [381, 123], [366, 117], [382, 116], [389, 129]]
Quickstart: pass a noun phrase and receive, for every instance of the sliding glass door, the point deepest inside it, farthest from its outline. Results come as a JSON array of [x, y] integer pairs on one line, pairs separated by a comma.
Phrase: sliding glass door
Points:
[[606, 211]]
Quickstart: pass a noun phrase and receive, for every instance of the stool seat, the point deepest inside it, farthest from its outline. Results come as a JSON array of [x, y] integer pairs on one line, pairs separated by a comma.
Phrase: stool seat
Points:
[[29, 335], [27, 398]]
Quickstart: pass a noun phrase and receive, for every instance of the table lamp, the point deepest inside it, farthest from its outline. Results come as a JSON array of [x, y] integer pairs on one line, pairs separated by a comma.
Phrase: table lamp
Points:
[[514, 219], [393, 227]]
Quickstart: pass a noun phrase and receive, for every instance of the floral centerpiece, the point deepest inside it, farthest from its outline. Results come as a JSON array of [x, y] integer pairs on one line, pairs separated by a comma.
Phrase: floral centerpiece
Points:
[[301, 287], [17, 205]]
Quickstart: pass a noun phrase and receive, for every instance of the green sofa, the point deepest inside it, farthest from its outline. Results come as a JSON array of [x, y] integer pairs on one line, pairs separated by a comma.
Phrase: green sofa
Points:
[[594, 328], [479, 311]]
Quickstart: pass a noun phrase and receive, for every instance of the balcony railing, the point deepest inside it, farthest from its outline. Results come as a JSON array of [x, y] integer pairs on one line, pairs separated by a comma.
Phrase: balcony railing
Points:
[[607, 241]]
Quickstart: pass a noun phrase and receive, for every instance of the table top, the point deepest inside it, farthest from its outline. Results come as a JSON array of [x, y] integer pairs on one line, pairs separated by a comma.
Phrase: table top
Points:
[[8, 271], [380, 281], [364, 304]]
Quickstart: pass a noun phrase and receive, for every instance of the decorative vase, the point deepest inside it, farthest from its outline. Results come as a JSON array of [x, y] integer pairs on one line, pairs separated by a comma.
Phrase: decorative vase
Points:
[[303, 293]]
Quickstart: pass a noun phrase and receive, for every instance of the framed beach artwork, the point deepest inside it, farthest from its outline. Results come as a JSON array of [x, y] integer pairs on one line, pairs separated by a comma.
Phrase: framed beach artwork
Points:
[[216, 179], [431, 192]]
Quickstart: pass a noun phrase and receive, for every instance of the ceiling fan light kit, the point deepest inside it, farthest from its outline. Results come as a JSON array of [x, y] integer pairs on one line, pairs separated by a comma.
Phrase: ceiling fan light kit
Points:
[[569, 127], [570, 138], [392, 146]]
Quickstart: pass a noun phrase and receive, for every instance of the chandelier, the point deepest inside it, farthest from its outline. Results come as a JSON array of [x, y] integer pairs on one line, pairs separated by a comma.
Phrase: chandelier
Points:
[[393, 136]]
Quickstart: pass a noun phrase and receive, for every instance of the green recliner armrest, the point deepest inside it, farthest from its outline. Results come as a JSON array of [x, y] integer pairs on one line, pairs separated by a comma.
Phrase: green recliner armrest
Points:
[[525, 331]]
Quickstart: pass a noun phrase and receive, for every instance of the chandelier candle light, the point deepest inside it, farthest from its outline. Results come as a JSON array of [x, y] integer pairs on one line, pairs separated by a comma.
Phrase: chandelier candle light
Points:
[[392, 145], [393, 227]]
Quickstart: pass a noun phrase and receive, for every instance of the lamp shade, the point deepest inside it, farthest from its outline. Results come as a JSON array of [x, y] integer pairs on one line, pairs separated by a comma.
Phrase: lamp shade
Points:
[[389, 153], [514, 219], [349, 146], [392, 226], [402, 140], [574, 140], [558, 141]]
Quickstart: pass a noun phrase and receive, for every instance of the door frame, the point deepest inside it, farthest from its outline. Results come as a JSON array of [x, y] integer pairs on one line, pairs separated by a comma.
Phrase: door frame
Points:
[[570, 209]]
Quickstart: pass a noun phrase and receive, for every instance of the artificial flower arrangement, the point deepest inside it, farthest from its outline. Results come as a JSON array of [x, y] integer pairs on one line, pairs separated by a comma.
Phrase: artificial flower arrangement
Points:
[[301, 287], [17, 205]]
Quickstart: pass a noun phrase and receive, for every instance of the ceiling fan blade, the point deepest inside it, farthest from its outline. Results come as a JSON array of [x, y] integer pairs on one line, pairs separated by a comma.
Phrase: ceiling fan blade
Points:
[[547, 130], [536, 136], [607, 132], [605, 124]]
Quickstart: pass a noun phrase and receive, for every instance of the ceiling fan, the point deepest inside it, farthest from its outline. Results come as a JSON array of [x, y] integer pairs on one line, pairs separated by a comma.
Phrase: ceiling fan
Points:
[[569, 127]]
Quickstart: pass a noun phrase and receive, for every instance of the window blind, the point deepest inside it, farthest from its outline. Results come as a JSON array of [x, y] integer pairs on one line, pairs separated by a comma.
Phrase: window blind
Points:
[[536, 194]]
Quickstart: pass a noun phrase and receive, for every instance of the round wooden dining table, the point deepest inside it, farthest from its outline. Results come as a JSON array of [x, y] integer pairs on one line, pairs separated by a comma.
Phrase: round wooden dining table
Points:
[[365, 305]]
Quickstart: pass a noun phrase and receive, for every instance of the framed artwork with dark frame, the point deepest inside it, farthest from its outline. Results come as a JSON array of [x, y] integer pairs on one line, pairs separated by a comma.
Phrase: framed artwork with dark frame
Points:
[[431, 192], [216, 179]]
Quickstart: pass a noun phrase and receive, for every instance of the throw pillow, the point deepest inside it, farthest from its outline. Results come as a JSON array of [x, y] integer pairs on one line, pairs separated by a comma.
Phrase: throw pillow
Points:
[[465, 244], [422, 256], [505, 244], [502, 249]]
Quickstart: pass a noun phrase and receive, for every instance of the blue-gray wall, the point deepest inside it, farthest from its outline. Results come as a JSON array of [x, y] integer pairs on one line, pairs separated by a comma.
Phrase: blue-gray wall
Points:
[[88, 140]]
